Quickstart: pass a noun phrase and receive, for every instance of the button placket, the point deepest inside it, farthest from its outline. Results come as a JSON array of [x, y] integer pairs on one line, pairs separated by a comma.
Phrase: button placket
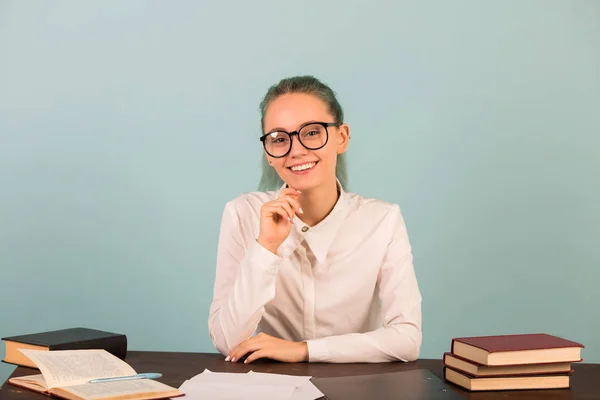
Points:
[[308, 285]]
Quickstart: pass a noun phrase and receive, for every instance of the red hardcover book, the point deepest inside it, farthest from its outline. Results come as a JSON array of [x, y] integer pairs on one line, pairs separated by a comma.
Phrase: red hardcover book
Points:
[[477, 370], [492, 383], [517, 349]]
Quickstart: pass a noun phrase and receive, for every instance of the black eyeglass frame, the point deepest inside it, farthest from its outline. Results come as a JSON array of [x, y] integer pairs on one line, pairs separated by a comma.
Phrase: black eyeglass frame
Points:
[[297, 133]]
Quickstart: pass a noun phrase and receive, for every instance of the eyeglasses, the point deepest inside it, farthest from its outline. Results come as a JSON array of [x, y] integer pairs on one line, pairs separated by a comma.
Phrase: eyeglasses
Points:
[[312, 135]]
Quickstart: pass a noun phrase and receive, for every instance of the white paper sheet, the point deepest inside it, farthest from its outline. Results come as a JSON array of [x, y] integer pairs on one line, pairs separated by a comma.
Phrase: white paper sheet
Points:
[[249, 386], [308, 391]]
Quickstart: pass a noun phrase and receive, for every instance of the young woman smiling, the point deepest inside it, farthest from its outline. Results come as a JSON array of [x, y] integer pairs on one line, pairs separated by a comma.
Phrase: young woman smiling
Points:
[[305, 270]]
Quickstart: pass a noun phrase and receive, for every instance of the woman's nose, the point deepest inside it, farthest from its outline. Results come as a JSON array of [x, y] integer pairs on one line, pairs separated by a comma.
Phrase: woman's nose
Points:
[[297, 147]]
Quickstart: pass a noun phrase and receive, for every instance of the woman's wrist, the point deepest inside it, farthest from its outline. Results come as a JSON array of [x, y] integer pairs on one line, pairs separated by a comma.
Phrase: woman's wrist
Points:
[[304, 350], [272, 247]]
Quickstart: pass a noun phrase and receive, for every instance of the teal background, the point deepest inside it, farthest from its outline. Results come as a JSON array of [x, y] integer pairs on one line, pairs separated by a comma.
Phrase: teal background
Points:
[[126, 126]]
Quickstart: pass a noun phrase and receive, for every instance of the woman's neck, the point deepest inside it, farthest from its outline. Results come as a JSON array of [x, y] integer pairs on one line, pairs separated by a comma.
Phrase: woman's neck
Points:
[[318, 202]]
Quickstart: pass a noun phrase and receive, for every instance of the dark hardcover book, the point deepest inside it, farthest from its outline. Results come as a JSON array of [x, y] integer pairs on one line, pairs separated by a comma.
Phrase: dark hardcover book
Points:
[[516, 349], [498, 383], [63, 339], [477, 370]]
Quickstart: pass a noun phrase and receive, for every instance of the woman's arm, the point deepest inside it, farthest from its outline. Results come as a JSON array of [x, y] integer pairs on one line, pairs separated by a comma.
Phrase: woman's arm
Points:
[[244, 283], [400, 337]]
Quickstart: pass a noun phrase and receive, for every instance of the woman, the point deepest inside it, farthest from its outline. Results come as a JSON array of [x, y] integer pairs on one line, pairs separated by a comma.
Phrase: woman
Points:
[[323, 275]]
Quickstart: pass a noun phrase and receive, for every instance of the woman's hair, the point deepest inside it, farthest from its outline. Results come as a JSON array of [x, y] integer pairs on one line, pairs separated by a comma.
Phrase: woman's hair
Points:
[[309, 85]]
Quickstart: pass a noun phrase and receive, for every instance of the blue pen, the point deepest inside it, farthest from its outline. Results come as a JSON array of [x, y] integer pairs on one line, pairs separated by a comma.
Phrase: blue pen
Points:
[[148, 375]]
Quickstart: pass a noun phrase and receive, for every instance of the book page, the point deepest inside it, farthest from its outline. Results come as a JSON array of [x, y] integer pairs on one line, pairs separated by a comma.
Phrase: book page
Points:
[[75, 367], [118, 388], [29, 380]]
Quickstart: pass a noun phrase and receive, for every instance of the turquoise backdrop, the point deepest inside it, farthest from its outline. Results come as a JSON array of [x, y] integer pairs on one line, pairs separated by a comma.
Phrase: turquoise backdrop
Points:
[[126, 126]]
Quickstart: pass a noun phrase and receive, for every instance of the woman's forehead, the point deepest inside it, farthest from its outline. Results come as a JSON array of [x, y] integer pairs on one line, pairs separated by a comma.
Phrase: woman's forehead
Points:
[[289, 111]]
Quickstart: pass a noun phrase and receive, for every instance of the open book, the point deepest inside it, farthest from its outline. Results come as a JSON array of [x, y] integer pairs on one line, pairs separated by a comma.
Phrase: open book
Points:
[[66, 374]]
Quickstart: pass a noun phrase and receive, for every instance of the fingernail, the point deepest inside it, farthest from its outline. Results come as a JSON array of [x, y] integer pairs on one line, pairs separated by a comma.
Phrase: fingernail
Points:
[[227, 358], [246, 361], [300, 209], [289, 219], [233, 359]]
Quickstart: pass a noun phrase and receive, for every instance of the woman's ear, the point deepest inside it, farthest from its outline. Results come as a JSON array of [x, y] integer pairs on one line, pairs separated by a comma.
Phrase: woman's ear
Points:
[[343, 138]]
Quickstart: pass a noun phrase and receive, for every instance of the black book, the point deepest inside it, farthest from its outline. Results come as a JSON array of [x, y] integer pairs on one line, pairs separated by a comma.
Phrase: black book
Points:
[[64, 339]]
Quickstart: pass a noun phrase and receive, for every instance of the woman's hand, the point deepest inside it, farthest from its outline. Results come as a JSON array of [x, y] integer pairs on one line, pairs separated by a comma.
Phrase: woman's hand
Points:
[[265, 346], [276, 219]]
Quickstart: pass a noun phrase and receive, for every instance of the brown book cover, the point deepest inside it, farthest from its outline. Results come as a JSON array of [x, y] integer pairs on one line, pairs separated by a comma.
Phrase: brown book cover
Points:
[[152, 390], [517, 349], [477, 370], [498, 383]]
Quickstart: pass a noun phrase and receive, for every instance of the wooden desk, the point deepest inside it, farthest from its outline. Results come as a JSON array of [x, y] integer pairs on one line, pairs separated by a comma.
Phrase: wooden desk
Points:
[[177, 367]]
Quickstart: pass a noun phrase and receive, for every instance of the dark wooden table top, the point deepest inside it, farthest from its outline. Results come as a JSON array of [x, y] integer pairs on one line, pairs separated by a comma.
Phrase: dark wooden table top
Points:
[[177, 367]]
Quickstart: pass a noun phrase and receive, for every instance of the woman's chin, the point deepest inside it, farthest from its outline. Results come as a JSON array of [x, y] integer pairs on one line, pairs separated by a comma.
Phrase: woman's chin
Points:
[[307, 185], [302, 183]]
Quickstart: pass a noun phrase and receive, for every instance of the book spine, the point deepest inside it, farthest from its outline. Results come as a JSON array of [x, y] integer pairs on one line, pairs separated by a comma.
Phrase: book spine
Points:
[[116, 345]]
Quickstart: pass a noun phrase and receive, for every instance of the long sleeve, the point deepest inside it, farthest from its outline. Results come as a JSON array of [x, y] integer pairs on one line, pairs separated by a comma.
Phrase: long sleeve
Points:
[[400, 337], [244, 283]]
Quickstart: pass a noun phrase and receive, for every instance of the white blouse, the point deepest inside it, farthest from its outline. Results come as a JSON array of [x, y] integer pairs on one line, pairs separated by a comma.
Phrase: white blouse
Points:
[[346, 286]]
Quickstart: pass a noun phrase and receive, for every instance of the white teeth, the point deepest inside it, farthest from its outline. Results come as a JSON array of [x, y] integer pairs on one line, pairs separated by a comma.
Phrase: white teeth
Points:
[[303, 167]]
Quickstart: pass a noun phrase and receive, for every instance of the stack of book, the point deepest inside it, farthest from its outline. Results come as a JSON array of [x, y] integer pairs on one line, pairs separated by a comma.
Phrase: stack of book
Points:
[[511, 362]]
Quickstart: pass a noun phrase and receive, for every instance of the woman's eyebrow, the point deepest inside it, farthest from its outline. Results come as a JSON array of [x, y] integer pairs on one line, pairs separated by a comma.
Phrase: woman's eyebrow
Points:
[[274, 130], [281, 129]]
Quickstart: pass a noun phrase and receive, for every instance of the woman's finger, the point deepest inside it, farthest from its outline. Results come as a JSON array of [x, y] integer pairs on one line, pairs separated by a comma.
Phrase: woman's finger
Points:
[[262, 353], [288, 209], [280, 210], [243, 348], [290, 191], [294, 203]]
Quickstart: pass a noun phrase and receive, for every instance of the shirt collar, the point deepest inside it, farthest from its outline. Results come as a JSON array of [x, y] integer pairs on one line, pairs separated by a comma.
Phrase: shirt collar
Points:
[[321, 236]]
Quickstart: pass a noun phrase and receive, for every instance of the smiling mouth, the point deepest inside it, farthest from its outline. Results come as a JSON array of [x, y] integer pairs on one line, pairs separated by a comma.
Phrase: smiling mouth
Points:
[[303, 167]]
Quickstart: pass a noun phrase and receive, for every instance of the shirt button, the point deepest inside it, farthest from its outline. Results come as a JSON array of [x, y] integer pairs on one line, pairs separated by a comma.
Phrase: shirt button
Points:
[[304, 228]]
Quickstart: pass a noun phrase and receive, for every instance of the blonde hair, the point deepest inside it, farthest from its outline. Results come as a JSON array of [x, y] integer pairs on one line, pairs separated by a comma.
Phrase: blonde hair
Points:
[[270, 180]]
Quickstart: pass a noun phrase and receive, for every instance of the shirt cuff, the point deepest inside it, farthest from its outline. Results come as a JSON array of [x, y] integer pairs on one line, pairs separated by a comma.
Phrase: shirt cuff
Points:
[[318, 351], [262, 258]]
